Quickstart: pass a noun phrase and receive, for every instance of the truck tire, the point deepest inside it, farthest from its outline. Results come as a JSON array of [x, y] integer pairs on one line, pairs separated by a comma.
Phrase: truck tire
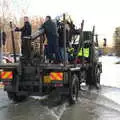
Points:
[[89, 78], [97, 77], [74, 90], [93, 77], [14, 97]]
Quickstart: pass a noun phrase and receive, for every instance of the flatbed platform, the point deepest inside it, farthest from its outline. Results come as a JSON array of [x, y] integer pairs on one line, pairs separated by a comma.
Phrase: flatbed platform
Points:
[[47, 66], [62, 66], [9, 65]]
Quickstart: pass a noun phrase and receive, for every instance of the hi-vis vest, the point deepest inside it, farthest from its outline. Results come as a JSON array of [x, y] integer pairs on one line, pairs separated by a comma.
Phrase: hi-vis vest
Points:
[[71, 51], [85, 52]]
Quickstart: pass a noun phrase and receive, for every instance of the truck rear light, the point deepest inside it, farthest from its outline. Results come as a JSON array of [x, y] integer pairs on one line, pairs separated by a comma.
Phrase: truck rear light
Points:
[[53, 77], [6, 75], [56, 76]]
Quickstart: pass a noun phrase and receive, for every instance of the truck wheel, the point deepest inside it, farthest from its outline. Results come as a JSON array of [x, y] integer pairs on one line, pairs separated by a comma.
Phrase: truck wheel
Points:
[[89, 79], [97, 77], [74, 90], [93, 77], [13, 96]]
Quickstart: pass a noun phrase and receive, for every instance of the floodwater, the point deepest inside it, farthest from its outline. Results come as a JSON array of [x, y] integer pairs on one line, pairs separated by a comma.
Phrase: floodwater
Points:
[[103, 104], [35, 108], [111, 71], [94, 105]]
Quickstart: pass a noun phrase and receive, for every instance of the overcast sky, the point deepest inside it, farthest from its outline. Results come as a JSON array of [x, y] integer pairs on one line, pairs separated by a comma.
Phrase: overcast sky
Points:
[[104, 14]]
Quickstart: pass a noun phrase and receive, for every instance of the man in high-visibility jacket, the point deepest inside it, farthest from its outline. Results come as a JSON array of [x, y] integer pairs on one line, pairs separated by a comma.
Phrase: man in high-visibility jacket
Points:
[[70, 53], [85, 52]]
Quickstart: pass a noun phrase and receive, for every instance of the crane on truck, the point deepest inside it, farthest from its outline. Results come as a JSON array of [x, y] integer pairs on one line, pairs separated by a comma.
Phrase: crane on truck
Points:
[[34, 76]]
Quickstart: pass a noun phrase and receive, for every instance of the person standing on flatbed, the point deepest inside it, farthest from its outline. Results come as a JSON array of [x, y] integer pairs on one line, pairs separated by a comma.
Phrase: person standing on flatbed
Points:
[[50, 30], [25, 31]]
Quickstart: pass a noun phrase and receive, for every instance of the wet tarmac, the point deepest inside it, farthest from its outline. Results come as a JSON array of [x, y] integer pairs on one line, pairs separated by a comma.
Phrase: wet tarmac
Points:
[[34, 108], [103, 104], [94, 105]]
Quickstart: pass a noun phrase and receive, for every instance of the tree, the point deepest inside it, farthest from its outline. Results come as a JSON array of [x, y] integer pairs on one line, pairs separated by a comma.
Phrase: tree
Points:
[[20, 7], [12, 10], [116, 38], [15, 10]]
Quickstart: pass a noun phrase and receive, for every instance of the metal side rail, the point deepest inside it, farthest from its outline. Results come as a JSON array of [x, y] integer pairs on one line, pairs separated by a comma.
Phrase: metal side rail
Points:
[[57, 66], [9, 65]]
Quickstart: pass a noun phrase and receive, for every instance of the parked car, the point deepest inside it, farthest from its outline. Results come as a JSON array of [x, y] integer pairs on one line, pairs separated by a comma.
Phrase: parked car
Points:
[[17, 56], [7, 60]]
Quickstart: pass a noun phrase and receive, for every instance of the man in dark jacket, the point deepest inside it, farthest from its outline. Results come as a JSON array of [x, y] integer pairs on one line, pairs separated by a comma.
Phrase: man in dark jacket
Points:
[[61, 39], [50, 29], [25, 31]]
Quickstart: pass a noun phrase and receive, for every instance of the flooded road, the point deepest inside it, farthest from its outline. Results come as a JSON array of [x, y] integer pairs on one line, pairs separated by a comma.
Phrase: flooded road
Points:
[[111, 71], [94, 105], [34, 108], [103, 104]]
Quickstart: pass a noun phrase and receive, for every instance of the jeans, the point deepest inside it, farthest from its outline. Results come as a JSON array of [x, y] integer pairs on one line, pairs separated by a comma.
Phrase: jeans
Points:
[[62, 54], [53, 53]]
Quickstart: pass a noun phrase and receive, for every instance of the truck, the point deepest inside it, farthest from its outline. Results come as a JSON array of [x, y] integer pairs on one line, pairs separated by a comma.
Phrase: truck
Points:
[[35, 76]]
